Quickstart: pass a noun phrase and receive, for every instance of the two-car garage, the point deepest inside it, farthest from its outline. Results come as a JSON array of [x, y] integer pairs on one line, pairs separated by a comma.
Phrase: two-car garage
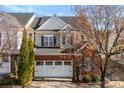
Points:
[[54, 68]]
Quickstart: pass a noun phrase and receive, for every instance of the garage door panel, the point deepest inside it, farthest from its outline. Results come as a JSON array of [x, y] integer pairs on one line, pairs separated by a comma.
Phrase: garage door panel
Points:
[[5, 67], [39, 68], [47, 71], [54, 69]]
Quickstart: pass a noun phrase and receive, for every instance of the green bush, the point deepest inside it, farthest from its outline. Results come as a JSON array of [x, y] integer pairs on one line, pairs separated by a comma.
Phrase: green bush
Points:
[[23, 69], [11, 76], [88, 78], [96, 78], [7, 82], [31, 59], [15, 66]]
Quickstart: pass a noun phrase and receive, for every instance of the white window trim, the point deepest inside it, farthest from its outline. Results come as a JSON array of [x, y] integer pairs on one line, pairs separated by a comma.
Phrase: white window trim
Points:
[[48, 36]]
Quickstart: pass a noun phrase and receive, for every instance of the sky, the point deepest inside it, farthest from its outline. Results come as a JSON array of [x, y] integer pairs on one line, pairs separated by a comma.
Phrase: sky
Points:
[[40, 10]]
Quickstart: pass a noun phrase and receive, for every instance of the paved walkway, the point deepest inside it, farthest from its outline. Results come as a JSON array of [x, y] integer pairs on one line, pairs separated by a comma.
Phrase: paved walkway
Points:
[[115, 84], [67, 84], [59, 84]]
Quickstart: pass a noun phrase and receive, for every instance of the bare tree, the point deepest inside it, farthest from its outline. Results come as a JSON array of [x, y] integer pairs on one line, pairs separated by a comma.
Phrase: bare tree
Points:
[[9, 28], [104, 28]]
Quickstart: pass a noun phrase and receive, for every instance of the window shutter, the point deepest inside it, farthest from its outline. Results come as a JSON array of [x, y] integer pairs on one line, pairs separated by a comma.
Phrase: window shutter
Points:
[[71, 40], [63, 39], [83, 64], [42, 41], [54, 40], [92, 64]]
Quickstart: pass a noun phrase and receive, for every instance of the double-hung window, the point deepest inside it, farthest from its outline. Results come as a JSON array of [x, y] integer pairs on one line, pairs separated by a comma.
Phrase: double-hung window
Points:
[[49, 41]]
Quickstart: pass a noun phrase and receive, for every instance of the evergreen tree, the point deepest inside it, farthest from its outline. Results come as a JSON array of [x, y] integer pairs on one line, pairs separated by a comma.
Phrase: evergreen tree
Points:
[[24, 59], [31, 58]]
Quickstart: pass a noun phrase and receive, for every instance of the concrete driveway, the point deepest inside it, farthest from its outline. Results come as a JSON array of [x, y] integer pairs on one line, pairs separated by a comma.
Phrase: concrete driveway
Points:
[[61, 84]]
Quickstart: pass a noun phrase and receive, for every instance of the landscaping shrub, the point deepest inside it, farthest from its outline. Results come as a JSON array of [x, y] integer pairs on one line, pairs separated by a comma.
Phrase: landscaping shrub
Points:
[[15, 65], [88, 78], [8, 82], [11, 76], [24, 58], [26, 62], [96, 78], [31, 59]]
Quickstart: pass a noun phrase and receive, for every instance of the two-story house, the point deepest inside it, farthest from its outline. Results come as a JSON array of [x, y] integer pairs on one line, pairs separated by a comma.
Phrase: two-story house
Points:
[[53, 35], [57, 42], [55, 38]]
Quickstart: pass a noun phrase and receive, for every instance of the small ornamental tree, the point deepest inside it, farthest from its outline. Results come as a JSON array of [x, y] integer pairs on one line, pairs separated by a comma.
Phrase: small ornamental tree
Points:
[[31, 59], [24, 59]]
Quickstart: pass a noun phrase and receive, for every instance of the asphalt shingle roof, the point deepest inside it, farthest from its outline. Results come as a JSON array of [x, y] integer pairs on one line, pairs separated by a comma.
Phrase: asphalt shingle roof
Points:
[[23, 18], [71, 20], [53, 23]]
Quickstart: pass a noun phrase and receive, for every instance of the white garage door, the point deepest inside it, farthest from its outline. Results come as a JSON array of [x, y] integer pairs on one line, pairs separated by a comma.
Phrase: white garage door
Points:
[[5, 66], [53, 69]]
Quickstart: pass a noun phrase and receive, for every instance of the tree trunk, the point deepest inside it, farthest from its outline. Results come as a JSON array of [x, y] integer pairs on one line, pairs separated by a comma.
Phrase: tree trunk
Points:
[[103, 80], [103, 73]]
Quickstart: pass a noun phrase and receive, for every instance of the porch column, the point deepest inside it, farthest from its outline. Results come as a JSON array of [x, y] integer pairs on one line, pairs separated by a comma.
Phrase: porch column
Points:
[[60, 39]]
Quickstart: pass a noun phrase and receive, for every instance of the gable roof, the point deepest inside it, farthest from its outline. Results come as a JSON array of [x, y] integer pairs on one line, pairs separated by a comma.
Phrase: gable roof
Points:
[[38, 21], [23, 18], [8, 20], [66, 27], [53, 23]]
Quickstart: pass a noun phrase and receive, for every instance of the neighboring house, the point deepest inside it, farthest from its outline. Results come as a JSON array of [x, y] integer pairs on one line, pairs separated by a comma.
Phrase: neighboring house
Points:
[[117, 63], [10, 39]]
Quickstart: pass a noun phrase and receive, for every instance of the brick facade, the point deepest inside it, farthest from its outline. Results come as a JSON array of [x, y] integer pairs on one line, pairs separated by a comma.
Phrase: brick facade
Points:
[[77, 60]]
